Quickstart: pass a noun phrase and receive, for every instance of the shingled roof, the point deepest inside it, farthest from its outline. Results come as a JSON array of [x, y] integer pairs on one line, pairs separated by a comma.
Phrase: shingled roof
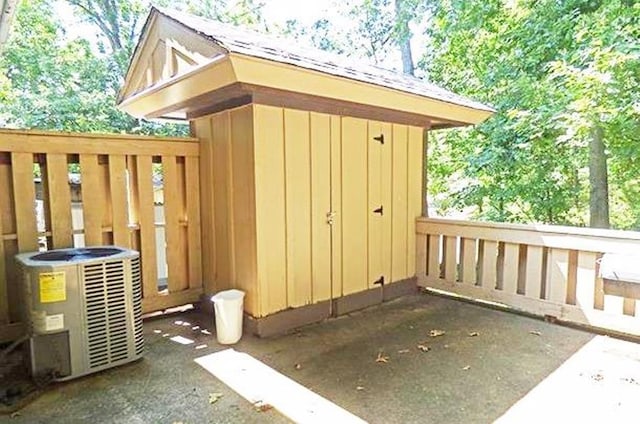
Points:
[[251, 43]]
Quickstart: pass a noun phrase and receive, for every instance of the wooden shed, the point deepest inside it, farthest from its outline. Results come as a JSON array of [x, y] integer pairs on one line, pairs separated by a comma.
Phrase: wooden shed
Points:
[[311, 165]]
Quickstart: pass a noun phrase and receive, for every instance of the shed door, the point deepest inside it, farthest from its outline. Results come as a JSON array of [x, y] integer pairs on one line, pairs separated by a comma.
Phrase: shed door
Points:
[[364, 190]]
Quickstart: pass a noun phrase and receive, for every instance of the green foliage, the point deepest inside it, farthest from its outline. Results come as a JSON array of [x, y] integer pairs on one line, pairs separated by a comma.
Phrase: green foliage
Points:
[[51, 82], [553, 70], [246, 13]]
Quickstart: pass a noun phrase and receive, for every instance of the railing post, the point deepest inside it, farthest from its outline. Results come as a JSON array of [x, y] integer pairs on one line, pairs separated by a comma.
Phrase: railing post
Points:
[[421, 258]]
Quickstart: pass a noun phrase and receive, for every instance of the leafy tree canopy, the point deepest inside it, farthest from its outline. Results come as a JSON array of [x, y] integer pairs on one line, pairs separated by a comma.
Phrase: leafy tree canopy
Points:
[[554, 71], [559, 73]]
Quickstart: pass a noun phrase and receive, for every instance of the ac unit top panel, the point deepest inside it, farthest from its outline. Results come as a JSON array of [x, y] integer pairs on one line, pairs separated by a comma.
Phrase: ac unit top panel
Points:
[[74, 256]]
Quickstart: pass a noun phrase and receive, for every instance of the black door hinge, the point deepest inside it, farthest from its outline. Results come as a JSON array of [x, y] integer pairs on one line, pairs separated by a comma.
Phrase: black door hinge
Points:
[[379, 281], [380, 210], [379, 138]]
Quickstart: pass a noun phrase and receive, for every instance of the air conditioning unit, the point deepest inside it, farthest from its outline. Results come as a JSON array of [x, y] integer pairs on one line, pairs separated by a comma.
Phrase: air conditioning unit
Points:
[[83, 310]]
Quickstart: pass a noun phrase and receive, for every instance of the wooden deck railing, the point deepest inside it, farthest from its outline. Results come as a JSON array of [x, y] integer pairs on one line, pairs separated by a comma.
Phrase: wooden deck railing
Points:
[[116, 197], [543, 270]]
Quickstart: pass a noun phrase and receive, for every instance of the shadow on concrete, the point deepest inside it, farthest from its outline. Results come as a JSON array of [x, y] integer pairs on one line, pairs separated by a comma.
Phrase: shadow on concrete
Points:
[[461, 378]]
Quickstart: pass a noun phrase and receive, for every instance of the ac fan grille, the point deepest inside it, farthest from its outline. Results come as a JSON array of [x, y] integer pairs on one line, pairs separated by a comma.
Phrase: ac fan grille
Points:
[[106, 311]]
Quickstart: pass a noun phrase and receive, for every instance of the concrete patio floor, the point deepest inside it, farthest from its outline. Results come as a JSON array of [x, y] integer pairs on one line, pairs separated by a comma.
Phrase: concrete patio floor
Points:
[[461, 379]]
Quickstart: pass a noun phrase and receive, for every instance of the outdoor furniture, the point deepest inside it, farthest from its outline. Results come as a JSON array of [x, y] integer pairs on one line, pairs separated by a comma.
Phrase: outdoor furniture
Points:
[[621, 274]]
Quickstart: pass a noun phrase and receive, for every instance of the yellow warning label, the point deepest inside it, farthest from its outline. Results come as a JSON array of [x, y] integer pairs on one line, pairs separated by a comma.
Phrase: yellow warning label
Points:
[[53, 287]]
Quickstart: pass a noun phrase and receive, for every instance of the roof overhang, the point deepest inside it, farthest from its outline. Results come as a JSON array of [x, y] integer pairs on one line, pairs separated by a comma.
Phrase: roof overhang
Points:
[[7, 10], [185, 94]]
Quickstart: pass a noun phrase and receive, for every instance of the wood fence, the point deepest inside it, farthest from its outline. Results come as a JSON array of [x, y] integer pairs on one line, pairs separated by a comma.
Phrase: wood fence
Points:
[[544, 270], [116, 175]]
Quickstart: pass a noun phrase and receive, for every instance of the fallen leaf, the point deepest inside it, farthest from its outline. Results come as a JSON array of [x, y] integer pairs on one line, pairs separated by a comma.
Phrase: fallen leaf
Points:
[[535, 333], [403, 351], [359, 388], [298, 366], [423, 348], [474, 334], [436, 333], [262, 407], [382, 359], [214, 397], [466, 367]]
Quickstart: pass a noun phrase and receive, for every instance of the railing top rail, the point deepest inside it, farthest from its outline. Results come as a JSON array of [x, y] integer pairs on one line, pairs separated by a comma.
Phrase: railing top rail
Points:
[[585, 239], [540, 228], [101, 136], [19, 141]]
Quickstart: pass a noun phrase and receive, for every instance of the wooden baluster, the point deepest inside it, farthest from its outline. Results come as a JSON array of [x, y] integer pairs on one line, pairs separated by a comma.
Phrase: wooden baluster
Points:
[[510, 270], [533, 276], [586, 280], [468, 261], [450, 259], [557, 275], [434, 257], [488, 274], [421, 257]]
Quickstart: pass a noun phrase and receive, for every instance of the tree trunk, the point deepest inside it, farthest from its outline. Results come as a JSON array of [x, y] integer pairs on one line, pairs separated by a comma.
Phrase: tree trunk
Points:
[[404, 37], [407, 58], [599, 186]]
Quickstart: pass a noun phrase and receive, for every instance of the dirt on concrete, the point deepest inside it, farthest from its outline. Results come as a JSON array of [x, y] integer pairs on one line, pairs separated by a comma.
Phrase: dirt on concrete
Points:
[[475, 365]]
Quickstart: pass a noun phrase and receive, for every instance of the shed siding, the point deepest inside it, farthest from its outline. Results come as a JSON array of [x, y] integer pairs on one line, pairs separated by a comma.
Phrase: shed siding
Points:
[[229, 203], [320, 133], [277, 173], [308, 164], [355, 208], [292, 199], [271, 220], [243, 204]]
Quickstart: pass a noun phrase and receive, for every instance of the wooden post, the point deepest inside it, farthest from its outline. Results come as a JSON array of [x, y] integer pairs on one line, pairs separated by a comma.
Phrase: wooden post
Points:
[[425, 148]]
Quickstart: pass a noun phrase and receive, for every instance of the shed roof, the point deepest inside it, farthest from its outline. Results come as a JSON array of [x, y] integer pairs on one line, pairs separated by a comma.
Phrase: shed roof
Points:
[[236, 40], [230, 42]]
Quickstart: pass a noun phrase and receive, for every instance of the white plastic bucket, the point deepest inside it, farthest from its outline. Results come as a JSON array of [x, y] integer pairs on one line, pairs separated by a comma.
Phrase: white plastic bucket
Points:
[[228, 306]]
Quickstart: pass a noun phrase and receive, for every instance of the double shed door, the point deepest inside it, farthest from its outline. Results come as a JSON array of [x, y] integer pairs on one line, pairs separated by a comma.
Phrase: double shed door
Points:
[[342, 221]]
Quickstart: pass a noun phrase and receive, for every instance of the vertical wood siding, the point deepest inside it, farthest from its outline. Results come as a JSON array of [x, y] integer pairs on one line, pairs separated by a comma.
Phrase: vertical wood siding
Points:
[[276, 174], [309, 164]]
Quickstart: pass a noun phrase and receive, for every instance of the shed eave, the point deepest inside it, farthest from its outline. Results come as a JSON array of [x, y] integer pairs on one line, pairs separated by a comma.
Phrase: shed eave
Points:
[[282, 76], [172, 91], [172, 94]]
